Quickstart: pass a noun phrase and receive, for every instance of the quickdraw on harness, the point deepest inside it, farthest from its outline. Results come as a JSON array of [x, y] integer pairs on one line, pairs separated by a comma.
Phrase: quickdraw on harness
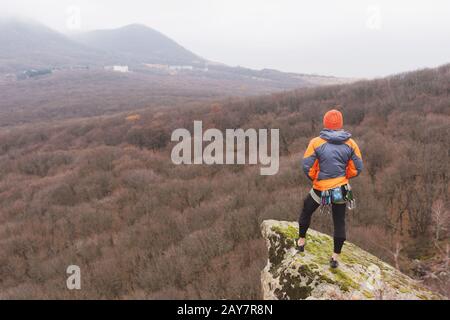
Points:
[[351, 202], [336, 196], [326, 201]]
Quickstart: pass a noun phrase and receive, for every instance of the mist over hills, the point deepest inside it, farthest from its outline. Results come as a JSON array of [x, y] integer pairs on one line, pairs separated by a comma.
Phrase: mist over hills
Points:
[[138, 43], [48, 75], [28, 44]]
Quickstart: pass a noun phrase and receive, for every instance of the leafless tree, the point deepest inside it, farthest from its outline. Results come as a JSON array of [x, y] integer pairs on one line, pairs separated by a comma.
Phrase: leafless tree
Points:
[[440, 216]]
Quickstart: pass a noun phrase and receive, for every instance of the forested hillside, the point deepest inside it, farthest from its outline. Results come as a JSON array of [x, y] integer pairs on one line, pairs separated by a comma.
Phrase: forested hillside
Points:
[[103, 193], [46, 75]]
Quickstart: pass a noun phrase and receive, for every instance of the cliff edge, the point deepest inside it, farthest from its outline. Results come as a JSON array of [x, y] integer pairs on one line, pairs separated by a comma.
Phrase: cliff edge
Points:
[[291, 275]]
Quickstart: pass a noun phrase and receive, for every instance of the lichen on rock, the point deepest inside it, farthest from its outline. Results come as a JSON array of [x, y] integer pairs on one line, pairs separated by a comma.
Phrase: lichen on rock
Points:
[[290, 274]]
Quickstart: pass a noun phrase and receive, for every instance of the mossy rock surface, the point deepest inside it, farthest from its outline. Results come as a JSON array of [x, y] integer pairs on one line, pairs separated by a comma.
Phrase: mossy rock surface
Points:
[[290, 274]]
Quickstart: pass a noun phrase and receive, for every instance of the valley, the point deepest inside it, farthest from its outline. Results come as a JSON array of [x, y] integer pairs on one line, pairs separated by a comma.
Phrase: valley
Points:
[[87, 178], [101, 192]]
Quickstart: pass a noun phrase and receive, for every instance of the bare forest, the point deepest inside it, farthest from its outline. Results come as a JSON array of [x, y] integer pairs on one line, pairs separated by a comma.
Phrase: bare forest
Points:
[[102, 192]]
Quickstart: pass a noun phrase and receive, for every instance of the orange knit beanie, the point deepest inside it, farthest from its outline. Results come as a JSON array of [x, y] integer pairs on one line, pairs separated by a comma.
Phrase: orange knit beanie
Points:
[[333, 120]]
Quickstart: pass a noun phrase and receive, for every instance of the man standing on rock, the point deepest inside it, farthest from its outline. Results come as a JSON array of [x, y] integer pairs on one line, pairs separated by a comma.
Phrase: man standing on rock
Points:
[[329, 162]]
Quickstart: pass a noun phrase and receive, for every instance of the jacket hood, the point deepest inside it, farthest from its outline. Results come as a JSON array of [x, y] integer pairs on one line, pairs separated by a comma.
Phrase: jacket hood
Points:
[[335, 136]]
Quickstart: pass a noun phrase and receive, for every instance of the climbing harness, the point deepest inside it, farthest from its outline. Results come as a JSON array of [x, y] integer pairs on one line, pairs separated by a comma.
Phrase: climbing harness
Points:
[[336, 196]]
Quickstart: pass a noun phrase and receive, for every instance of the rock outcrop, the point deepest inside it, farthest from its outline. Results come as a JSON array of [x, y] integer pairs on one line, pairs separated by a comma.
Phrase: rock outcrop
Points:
[[290, 274]]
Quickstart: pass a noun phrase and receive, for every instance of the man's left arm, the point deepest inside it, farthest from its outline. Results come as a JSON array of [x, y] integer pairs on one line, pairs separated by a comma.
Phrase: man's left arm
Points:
[[355, 164]]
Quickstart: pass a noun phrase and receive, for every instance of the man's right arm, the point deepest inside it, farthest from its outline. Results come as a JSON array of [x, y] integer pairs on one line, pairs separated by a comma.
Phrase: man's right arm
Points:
[[310, 161]]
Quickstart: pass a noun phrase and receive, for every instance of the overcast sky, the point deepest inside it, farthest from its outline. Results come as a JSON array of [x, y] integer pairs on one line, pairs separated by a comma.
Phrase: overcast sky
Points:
[[353, 38]]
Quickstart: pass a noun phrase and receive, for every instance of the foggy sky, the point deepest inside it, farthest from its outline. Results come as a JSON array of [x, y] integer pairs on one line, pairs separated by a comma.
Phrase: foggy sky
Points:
[[353, 38]]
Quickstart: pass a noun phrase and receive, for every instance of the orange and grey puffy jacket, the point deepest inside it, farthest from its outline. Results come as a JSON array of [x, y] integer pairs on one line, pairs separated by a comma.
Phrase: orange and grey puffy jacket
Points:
[[331, 159]]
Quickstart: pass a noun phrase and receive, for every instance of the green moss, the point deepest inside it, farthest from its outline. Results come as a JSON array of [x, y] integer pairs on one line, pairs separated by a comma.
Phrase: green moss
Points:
[[289, 232], [404, 290], [295, 284], [368, 294], [347, 258], [344, 281], [300, 283], [320, 251]]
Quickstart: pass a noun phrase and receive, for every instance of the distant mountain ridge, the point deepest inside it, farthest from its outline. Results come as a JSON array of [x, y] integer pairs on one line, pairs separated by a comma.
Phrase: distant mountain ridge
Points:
[[29, 45], [33, 45], [128, 42]]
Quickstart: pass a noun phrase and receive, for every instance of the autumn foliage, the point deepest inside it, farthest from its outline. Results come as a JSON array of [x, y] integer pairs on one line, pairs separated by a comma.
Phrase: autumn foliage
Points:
[[103, 194]]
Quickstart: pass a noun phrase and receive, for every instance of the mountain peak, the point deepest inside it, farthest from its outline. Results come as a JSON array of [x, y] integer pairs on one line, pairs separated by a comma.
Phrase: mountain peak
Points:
[[291, 275], [136, 26], [20, 24], [28, 44], [139, 43]]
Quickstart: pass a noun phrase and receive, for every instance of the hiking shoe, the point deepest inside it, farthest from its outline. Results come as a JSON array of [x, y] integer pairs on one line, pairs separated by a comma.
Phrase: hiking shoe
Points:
[[334, 263], [299, 248]]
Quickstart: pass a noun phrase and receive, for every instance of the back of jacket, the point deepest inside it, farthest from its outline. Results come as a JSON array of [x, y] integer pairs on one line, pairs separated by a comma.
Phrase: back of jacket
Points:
[[331, 159]]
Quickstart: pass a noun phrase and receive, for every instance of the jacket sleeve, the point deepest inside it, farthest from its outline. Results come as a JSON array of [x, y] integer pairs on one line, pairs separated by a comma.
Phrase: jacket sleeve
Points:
[[355, 164], [310, 163]]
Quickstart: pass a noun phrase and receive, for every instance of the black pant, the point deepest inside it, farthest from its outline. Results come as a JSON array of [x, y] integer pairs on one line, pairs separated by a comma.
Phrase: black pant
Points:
[[338, 210]]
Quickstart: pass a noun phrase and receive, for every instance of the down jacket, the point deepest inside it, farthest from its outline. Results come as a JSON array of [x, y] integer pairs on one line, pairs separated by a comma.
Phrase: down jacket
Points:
[[332, 159]]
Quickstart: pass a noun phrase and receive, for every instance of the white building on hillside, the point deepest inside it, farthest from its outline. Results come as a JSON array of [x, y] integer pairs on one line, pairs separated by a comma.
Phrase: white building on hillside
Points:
[[117, 68], [185, 67]]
